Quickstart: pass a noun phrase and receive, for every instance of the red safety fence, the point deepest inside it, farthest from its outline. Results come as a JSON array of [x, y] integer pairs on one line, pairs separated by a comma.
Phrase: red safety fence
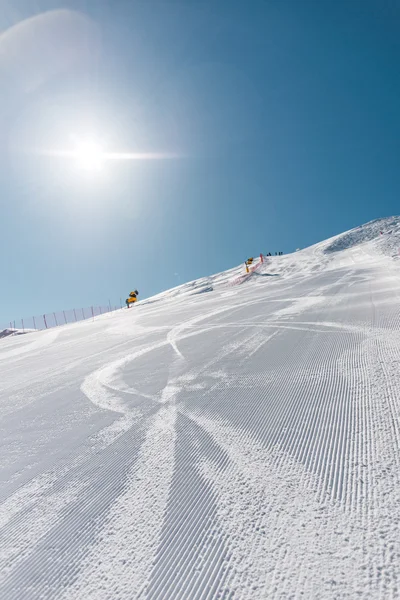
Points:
[[55, 319], [248, 273]]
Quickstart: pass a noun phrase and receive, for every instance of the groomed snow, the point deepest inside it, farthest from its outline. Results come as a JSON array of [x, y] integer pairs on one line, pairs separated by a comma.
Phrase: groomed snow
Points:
[[215, 441]]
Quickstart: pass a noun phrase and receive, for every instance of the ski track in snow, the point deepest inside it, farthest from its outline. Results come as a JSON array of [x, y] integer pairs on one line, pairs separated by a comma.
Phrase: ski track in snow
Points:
[[121, 560], [253, 450], [44, 338], [44, 513], [273, 552]]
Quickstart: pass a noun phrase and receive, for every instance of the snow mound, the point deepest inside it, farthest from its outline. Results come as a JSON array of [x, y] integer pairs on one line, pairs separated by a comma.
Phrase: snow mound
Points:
[[364, 233]]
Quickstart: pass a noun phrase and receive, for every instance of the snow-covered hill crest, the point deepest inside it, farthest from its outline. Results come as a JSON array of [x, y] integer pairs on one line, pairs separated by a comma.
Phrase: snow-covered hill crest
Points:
[[376, 230], [377, 239]]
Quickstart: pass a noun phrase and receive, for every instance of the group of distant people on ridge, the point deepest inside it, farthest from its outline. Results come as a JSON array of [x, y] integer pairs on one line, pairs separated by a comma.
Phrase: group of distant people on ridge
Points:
[[276, 254]]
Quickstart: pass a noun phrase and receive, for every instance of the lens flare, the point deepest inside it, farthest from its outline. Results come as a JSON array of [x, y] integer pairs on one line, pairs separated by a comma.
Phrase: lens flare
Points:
[[89, 155]]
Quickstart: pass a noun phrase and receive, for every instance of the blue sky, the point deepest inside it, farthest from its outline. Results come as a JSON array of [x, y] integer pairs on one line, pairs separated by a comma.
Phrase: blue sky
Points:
[[279, 123]]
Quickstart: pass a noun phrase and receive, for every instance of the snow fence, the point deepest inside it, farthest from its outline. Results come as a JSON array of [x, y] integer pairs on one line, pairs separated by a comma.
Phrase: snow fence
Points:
[[55, 319]]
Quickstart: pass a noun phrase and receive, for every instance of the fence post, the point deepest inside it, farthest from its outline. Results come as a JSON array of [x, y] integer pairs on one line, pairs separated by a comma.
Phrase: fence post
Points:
[[109, 305], [65, 318], [55, 318], [23, 327], [75, 316], [83, 314], [44, 319], [92, 313], [34, 322]]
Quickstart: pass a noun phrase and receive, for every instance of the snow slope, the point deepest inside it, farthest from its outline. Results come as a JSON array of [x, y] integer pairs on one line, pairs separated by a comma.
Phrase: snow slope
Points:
[[215, 441]]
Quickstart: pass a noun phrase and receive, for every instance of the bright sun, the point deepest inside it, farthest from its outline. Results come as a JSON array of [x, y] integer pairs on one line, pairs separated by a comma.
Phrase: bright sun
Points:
[[89, 155]]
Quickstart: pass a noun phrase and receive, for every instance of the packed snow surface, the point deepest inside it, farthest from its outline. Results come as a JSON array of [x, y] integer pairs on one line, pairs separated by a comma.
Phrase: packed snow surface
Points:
[[236, 437]]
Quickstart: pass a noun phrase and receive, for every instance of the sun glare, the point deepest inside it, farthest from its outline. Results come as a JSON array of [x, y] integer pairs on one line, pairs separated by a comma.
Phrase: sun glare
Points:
[[89, 155]]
